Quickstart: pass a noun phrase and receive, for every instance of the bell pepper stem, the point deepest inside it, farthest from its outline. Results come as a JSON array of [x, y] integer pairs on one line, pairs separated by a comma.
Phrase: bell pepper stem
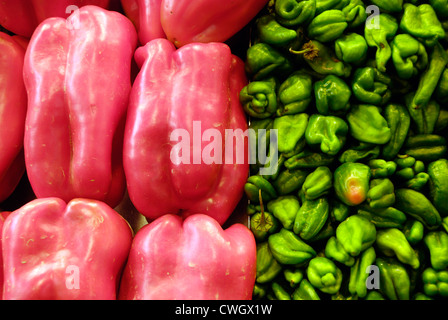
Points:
[[309, 51]]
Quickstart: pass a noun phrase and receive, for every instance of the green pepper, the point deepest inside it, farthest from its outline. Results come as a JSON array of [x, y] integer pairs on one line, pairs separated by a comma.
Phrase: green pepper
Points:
[[262, 224], [440, 7], [395, 283], [332, 95], [418, 206], [360, 151], [358, 275], [430, 77], [380, 38], [292, 13], [289, 181], [355, 13], [291, 129], [414, 231], [311, 217], [371, 87], [435, 283], [437, 243], [328, 132], [374, 295], [408, 167], [389, 217], [351, 48], [339, 211], [322, 59], [308, 160], [422, 22], [351, 182], [327, 26], [441, 92], [368, 125], [426, 147], [324, 275], [408, 55], [399, 121], [270, 31], [305, 291], [389, 5], [393, 242], [294, 94], [279, 292], [267, 267], [438, 184], [259, 98], [380, 168], [318, 183], [356, 234], [253, 186], [381, 193], [293, 277], [334, 250], [288, 248], [263, 61], [324, 5], [445, 223], [425, 117], [285, 210]]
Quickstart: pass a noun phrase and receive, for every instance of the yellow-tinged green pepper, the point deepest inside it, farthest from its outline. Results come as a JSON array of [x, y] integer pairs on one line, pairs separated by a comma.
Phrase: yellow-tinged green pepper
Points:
[[414, 231], [291, 129], [380, 38], [285, 210], [351, 48], [332, 95], [383, 217], [259, 98], [381, 193], [399, 121], [267, 267], [351, 182], [308, 160], [324, 5], [318, 183], [426, 147], [292, 13], [305, 291], [393, 242], [389, 5], [324, 275], [311, 218], [288, 248], [371, 87], [435, 283], [374, 295], [437, 243], [438, 184], [263, 61], [293, 277], [327, 26], [322, 59], [368, 125], [289, 181], [395, 283], [334, 250], [279, 292], [295, 93], [356, 234], [358, 275], [417, 205], [408, 55], [328, 132], [422, 22]]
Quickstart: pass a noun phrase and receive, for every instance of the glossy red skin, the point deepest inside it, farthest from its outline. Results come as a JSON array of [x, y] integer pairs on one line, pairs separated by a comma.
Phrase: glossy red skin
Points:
[[3, 216], [186, 21], [195, 259], [145, 14], [78, 84], [13, 108], [23, 16], [199, 82], [46, 236]]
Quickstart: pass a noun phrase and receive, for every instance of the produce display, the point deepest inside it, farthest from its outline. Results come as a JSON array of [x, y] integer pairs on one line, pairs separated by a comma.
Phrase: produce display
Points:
[[245, 150], [354, 93]]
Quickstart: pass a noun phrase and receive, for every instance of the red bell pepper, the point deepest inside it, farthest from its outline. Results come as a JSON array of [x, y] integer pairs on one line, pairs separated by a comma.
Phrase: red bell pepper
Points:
[[186, 21], [77, 74], [13, 108], [145, 14], [184, 96], [194, 259], [3, 216], [58, 251], [23, 16]]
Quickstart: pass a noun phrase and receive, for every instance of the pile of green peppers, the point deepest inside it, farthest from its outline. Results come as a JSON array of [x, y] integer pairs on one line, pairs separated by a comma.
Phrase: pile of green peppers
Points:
[[358, 206]]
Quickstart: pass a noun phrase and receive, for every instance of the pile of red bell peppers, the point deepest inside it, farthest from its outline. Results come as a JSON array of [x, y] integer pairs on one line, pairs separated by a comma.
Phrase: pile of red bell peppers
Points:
[[91, 94]]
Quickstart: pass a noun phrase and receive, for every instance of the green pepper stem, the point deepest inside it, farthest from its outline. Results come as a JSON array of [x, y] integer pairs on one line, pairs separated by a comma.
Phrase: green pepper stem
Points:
[[263, 217]]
